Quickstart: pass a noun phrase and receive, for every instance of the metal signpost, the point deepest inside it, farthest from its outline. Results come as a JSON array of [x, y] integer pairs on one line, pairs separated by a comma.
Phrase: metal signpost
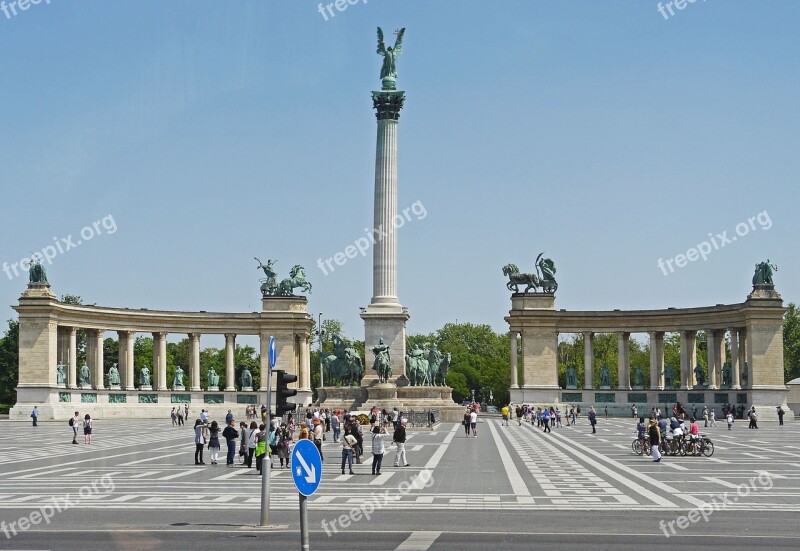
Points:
[[306, 474], [266, 464]]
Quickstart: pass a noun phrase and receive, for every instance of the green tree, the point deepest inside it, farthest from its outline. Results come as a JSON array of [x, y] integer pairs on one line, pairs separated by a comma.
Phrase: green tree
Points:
[[791, 343], [9, 364], [80, 334]]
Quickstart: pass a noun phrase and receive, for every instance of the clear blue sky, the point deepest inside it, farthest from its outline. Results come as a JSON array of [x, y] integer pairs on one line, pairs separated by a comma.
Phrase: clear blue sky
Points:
[[598, 132]]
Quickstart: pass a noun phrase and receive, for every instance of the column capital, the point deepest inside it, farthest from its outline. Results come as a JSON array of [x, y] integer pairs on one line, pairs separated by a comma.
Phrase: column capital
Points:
[[388, 103], [230, 335]]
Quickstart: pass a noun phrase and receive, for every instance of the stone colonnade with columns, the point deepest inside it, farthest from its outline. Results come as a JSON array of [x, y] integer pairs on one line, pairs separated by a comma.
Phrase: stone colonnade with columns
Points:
[[47, 338], [755, 363]]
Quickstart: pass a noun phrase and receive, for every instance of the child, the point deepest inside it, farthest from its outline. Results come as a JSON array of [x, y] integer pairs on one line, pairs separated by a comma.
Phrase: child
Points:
[[729, 419]]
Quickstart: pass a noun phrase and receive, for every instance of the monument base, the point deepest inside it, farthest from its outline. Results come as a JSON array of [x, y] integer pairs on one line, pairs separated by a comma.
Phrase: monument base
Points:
[[387, 322], [247, 389], [388, 396]]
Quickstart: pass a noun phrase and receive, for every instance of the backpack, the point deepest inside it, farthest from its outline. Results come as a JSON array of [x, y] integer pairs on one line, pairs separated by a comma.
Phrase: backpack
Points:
[[71, 421]]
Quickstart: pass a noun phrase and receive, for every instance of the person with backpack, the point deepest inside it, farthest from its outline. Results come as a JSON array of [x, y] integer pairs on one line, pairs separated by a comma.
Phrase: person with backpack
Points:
[[593, 419], [74, 421]]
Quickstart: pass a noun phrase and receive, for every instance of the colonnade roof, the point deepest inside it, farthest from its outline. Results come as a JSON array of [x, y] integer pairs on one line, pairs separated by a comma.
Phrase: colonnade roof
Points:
[[719, 317]]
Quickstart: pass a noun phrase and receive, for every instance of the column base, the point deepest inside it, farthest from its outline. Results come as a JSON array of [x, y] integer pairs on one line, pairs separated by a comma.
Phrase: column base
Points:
[[386, 321]]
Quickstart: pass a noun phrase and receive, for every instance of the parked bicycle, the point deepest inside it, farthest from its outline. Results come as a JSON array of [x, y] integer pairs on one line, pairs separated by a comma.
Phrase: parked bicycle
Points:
[[641, 447], [700, 446]]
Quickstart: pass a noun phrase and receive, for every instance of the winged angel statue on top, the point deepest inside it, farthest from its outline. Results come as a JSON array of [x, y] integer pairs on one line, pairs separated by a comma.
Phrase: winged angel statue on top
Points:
[[389, 68]]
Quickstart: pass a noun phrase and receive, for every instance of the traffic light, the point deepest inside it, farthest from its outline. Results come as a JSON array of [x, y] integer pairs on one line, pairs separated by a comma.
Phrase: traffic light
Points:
[[283, 391]]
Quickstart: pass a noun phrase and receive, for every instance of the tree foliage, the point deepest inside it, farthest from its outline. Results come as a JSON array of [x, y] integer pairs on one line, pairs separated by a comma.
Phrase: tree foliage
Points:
[[791, 343], [9, 364]]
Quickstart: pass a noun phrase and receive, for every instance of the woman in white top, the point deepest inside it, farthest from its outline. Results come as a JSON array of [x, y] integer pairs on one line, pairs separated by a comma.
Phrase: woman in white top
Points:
[[251, 443], [379, 434]]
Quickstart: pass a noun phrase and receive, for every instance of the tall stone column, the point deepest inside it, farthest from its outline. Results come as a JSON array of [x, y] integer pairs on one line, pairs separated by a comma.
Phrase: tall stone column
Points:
[[264, 363], [588, 360], [623, 361], [194, 360], [735, 380], [126, 359], [514, 360], [97, 351], [230, 361], [685, 360], [743, 356], [160, 360], [712, 359], [304, 369], [721, 354], [72, 377], [656, 360], [385, 318]]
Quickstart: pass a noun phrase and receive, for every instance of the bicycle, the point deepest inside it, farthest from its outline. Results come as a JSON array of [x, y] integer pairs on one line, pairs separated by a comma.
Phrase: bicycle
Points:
[[641, 447]]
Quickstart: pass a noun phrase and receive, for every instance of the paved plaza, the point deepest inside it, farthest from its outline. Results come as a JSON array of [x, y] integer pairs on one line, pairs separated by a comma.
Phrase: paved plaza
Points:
[[136, 487]]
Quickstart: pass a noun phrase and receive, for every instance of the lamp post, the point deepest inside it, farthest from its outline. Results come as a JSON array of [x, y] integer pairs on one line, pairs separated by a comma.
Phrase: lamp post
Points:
[[320, 333]]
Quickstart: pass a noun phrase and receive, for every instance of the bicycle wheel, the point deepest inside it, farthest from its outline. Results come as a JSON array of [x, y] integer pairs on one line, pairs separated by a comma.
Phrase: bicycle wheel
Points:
[[707, 448], [636, 446]]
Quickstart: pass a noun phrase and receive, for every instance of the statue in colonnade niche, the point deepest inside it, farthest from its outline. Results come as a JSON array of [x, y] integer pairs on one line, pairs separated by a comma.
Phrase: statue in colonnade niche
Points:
[[669, 377], [113, 376], [699, 375], [605, 377], [178, 381], [83, 376], [726, 374], [61, 375], [572, 377], [144, 376], [247, 380], [213, 379]]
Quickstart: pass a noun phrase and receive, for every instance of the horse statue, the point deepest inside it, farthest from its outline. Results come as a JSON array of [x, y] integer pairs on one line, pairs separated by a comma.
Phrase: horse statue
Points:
[[417, 366], [441, 371], [269, 287], [344, 366], [516, 278], [297, 278]]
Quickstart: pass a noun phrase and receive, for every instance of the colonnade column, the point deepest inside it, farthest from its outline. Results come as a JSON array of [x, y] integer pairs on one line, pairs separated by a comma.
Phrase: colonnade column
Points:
[[744, 349], [712, 359], [588, 360], [72, 371], [514, 360], [304, 369], [194, 360], [687, 356], [623, 362], [720, 354], [160, 360], [126, 359], [735, 382], [230, 359], [656, 360], [97, 358]]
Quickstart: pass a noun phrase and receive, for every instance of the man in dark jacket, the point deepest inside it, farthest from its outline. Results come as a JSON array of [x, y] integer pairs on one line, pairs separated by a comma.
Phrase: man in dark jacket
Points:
[[593, 419], [230, 434], [399, 438]]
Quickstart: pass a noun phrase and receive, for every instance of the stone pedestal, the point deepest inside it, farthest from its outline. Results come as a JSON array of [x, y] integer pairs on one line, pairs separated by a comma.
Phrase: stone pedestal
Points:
[[388, 323], [247, 389], [146, 387], [115, 387]]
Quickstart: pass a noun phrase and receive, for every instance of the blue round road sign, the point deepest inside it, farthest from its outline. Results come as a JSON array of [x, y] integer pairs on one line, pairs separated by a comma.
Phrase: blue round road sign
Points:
[[273, 353], [306, 467]]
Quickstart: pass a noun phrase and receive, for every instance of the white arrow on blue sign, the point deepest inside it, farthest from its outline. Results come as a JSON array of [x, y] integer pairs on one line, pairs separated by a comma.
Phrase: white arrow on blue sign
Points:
[[273, 353], [306, 467]]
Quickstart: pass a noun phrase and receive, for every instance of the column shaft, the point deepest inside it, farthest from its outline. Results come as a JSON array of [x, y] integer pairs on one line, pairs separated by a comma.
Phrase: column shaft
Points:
[[99, 372], [712, 359], [160, 360], [72, 372], [130, 380], [721, 354], [305, 362], [684, 359], [735, 380], [743, 352], [656, 360], [588, 360], [230, 359], [122, 347], [384, 255], [194, 360], [514, 360], [623, 363]]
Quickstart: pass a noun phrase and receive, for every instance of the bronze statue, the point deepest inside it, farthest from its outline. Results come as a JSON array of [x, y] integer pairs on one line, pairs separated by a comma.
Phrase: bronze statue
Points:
[[543, 279], [247, 379], [669, 377], [389, 67], [297, 278], [144, 376], [61, 375], [605, 376], [383, 363], [763, 273], [213, 379], [344, 366], [178, 381], [36, 273], [84, 376], [113, 376], [572, 377], [700, 375], [269, 286]]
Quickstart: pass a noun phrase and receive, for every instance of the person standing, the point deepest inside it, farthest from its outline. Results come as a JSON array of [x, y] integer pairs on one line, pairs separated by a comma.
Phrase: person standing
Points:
[[399, 438], [87, 429], [655, 439], [606, 410], [504, 413], [518, 412], [467, 419], [348, 442], [284, 438], [174, 416], [199, 442], [753, 418], [781, 413], [379, 434], [729, 418], [185, 411], [336, 426], [593, 419], [395, 418], [318, 434], [261, 446], [473, 423], [35, 416], [228, 418], [230, 434], [546, 420], [74, 422], [705, 415], [713, 418], [180, 416], [213, 442], [252, 434], [204, 416]]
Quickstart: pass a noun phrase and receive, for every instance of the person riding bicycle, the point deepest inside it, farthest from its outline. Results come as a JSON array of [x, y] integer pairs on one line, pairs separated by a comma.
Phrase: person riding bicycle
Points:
[[641, 430], [677, 432]]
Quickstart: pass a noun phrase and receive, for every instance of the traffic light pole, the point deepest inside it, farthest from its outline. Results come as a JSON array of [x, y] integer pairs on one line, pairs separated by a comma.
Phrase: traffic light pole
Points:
[[266, 466]]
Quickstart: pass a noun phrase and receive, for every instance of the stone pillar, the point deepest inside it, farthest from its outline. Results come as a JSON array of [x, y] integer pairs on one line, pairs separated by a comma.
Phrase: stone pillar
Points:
[[72, 371], [264, 363], [97, 358], [721, 354], [692, 345], [160, 360], [688, 355], [230, 362], [712, 359], [743, 356], [623, 361], [194, 360], [735, 380], [305, 362], [588, 360], [126, 359], [656, 360], [514, 360]]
